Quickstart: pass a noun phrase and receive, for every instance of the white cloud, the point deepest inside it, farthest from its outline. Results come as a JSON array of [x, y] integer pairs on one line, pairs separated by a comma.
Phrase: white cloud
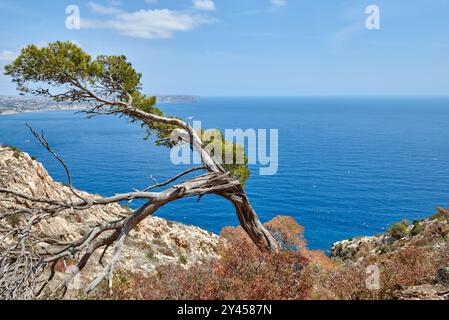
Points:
[[207, 5], [147, 24], [279, 2], [7, 55]]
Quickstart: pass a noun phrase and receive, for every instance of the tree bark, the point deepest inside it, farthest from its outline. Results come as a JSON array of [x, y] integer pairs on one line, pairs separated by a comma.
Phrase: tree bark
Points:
[[250, 222]]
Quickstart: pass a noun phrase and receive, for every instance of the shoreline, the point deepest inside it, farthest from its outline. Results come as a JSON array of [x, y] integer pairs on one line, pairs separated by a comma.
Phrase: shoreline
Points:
[[15, 112], [11, 113]]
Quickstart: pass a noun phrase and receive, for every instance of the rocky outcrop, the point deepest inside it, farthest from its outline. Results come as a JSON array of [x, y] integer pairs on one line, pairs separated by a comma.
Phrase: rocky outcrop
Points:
[[424, 292], [360, 247], [432, 232], [155, 242], [428, 241], [438, 290]]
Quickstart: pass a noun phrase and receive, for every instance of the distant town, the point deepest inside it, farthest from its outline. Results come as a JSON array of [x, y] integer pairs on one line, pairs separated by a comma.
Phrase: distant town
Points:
[[18, 104]]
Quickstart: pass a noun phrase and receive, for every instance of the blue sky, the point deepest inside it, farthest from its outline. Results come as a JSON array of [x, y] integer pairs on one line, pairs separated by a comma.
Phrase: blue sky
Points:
[[250, 47]]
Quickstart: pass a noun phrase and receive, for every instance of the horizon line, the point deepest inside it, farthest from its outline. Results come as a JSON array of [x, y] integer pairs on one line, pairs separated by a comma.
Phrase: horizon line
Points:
[[273, 95]]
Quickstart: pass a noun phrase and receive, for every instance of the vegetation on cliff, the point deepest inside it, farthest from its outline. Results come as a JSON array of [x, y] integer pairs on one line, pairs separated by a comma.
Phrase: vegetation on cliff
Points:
[[45, 228], [165, 260], [410, 268], [106, 85]]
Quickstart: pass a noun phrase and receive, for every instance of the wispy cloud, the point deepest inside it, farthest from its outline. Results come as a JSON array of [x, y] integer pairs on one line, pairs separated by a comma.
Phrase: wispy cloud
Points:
[[146, 24], [115, 2], [97, 8], [207, 5], [352, 19], [279, 2], [346, 32], [7, 55]]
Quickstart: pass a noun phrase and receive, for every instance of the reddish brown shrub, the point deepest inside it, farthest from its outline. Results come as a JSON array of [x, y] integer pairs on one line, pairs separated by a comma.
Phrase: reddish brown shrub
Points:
[[398, 270], [288, 232], [242, 272]]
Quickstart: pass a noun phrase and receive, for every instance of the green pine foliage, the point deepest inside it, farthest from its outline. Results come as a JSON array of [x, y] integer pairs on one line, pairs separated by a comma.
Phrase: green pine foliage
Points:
[[65, 72], [400, 229]]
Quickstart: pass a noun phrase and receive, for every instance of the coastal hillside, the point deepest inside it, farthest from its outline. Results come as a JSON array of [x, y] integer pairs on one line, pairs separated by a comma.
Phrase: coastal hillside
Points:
[[431, 233], [412, 257], [166, 260], [155, 242]]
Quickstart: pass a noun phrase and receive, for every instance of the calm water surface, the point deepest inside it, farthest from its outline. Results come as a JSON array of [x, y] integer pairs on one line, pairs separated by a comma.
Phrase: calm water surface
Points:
[[347, 166]]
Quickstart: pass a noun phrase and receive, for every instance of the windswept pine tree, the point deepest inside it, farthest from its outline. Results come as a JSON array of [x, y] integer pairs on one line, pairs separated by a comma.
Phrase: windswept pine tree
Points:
[[109, 85]]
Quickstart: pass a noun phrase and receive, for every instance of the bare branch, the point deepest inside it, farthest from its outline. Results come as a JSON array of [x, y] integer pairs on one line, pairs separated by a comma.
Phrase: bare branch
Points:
[[25, 254], [158, 185], [44, 142]]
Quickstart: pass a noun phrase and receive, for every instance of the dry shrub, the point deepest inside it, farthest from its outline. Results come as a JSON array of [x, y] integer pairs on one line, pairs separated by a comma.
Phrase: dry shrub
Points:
[[243, 272], [343, 283], [408, 267], [287, 232], [398, 270]]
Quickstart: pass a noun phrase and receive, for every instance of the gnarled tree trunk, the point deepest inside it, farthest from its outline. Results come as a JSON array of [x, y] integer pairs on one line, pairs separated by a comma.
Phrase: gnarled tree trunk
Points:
[[109, 86], [250, 221]]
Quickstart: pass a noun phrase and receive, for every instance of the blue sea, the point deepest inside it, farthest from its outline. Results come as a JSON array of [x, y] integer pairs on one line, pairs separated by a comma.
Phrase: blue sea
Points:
[[348, 166]]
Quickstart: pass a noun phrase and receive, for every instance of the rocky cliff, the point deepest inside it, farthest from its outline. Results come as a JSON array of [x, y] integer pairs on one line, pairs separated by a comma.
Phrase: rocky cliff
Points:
[[155, 242], [423, 245], [427, 233], [426, 239]]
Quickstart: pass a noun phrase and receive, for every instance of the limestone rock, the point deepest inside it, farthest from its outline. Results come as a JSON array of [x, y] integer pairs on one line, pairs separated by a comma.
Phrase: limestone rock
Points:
[[155, 241], [424, 292], [432, 232]]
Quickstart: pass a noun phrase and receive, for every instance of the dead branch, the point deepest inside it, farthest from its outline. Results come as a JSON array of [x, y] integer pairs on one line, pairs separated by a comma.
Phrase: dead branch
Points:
[[26, 245], [23, 253]]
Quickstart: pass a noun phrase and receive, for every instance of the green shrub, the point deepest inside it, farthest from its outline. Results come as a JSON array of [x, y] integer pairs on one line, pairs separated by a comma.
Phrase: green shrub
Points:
[[12, 148], [441, 214], [383, 250], [125, 206], [400, 229], [17, 151], [151, 256], [417, 228], [14, 219], [182, 258]]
